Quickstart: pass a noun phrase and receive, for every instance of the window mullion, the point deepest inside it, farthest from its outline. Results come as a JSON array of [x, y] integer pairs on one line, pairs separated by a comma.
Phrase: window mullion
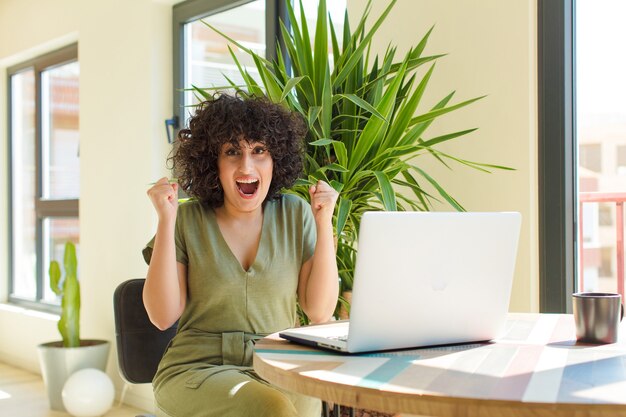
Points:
[[272, 28], [40, 270], [556, 156], [56, 208], [11, 173], [38, 182]]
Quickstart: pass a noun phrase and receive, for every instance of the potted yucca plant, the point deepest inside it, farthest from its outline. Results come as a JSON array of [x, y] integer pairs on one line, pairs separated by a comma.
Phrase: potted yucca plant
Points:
[[368, 128], [60, 359]]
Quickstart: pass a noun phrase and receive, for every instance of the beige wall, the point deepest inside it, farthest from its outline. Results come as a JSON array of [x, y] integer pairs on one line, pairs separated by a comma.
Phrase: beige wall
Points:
[[491, 47], [126, 93]]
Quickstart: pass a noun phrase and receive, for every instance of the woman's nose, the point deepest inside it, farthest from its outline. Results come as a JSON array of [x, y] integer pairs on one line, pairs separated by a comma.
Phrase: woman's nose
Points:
[[245, 163]]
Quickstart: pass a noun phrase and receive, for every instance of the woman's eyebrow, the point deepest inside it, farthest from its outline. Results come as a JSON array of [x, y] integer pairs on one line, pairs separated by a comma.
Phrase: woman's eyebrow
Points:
[[255, 144]]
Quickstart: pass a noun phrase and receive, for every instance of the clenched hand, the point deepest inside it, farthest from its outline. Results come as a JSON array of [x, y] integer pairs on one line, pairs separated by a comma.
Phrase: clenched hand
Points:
[[164, 197], [323, 199]]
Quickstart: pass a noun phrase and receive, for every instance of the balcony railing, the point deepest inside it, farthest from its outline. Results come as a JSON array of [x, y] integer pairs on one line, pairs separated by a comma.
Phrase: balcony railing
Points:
[[597, 197]]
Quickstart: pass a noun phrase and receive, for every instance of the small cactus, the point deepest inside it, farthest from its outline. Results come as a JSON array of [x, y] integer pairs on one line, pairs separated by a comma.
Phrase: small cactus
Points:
[[69, 290]]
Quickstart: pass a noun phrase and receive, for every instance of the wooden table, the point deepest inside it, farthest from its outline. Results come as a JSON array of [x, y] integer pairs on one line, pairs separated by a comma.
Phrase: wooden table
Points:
[[535, 369]]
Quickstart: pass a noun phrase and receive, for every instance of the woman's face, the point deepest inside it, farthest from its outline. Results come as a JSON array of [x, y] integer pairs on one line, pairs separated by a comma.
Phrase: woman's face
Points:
[[245, 172]]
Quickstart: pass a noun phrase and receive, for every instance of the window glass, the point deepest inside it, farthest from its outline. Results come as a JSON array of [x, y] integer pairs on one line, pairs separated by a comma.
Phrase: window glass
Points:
[[601, 136], [61, 172], [23, 184], [207, 58], [606, 269], [606, 214], [590, 157], [621, 159]]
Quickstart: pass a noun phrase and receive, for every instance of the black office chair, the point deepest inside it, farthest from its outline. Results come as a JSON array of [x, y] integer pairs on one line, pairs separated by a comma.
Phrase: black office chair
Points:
[[140, 344]]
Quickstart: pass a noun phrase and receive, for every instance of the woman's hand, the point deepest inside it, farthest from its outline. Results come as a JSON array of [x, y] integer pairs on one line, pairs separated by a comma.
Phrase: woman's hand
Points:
[[165, 289], [164, 197], [318, 284], [323, 199]]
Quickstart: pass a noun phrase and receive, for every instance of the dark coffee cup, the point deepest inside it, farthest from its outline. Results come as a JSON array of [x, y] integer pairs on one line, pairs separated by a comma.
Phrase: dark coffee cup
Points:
[[597, 316]]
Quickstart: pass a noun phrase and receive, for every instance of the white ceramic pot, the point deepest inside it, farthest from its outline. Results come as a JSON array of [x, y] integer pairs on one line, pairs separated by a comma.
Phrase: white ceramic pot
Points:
[[58, 363]]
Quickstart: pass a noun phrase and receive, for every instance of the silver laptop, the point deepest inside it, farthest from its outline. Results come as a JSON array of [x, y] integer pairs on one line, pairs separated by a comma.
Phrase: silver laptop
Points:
[[425, 278]]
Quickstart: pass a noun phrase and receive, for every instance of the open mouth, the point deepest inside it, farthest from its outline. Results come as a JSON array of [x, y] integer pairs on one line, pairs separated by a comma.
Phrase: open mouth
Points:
[[247, 187]]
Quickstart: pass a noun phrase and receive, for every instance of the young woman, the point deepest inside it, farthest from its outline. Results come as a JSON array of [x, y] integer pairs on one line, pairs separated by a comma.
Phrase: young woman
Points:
[[230, 263]]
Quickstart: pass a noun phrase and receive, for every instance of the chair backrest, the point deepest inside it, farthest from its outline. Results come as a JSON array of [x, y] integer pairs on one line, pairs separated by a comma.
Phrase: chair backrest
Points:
[[140, 344]]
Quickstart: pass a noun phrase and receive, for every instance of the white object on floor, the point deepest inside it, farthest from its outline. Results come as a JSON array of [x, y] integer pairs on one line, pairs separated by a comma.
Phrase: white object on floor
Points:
[[88, 393]]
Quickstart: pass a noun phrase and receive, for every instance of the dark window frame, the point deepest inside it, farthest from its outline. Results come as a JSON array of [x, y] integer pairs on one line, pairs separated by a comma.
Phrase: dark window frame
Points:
[[44, 208], [558, 217], [191, 10]]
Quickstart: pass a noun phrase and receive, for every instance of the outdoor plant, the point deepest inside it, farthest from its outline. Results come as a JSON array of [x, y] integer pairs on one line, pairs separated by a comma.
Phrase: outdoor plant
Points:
[[367, 126], [69, 290]]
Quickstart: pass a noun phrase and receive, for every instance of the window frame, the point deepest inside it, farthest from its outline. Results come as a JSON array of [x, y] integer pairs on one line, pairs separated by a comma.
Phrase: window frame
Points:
[[190, 10], [558, 211], [44, 208]]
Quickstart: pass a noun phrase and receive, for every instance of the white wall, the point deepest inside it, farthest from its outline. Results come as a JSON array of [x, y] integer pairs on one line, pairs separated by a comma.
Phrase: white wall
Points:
[[491, 47], [126, 93]]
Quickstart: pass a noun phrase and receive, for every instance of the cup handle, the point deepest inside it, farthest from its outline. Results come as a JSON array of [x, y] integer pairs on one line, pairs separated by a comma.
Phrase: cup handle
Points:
[[622, 311]]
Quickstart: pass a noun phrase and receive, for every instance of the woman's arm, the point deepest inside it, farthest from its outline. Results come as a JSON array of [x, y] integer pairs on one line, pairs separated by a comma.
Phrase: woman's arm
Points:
[[165, 290], [318, 286]]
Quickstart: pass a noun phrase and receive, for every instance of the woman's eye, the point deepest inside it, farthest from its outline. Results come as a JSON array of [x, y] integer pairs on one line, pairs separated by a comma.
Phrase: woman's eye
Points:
[[231, 152], [260, 150]]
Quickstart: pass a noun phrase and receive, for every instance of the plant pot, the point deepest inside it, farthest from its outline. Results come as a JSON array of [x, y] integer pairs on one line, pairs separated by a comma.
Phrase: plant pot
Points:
[[58, 363]]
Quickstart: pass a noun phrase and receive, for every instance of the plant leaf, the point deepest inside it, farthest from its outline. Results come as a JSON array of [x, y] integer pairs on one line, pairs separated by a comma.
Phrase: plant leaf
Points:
[[333, 38], [289, 86], [374, 129], [436, 113], [388, 195], [342, 214], [320, 52], [335, 167], [439, 189], [358, 52], [361, 103], [202, 93], [321, 142], [69, 259], [302, 182], [273, 89], [312, 114], [55, 276], [336, 185], [341, 152], [446, 137]]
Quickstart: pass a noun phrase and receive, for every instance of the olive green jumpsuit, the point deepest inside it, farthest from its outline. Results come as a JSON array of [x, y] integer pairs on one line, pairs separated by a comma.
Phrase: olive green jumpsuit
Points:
[[206, 370]]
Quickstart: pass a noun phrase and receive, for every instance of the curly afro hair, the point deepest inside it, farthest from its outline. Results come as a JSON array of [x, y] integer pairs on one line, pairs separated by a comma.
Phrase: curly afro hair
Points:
[[228, 119]]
